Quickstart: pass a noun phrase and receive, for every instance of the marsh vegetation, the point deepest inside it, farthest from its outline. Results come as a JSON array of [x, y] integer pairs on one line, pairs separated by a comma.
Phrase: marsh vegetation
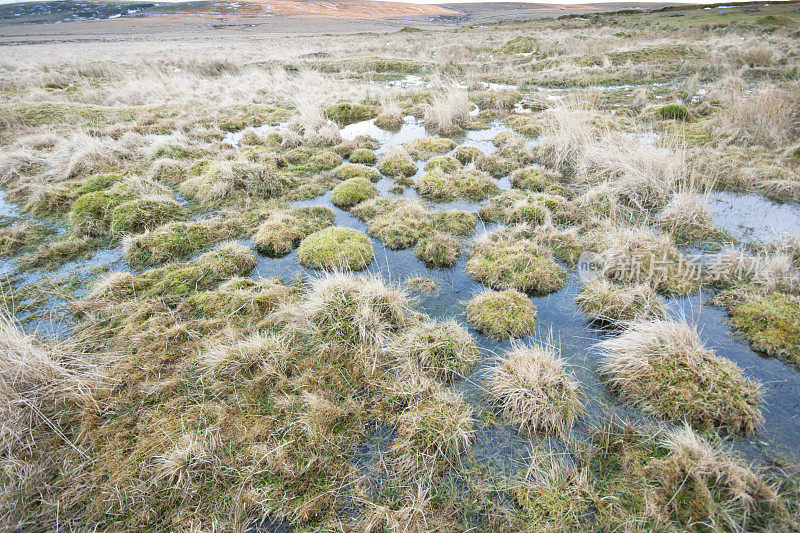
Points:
[[341, 283]]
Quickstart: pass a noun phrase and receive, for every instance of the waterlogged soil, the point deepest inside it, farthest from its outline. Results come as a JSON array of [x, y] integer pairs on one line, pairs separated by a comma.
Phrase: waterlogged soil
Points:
[[559, 320]]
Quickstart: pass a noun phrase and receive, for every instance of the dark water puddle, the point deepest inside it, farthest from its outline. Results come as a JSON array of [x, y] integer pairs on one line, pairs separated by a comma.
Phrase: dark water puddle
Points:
[[751, 217]]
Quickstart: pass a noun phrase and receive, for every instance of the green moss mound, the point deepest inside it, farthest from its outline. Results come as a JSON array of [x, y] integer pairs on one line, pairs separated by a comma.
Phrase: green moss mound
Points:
[[336, 249], [357, 170], [346, 113], [282, 231], [674, 112], [91, 213], [502, 314], [771, 323], [353, 191], [520, 265], [363, 156]]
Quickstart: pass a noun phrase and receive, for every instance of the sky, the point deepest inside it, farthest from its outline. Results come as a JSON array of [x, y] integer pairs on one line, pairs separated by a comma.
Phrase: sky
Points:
[[427, 1]]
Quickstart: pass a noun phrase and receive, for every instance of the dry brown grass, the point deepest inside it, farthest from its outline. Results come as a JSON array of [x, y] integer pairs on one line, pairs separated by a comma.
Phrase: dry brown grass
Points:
[[761, 116], [532, 391], [663, 367]]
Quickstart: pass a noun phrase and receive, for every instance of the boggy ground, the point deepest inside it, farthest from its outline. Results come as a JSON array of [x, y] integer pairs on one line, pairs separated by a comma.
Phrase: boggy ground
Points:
[[187, 347]]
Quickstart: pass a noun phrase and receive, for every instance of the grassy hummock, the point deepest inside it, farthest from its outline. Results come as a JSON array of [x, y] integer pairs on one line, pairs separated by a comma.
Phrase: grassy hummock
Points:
[[397, 163], [437, 186], [440, 250], [362, 156], [16, 238], [532, 391], [178, 280], [663, 367], [502, 314], [771, 323], [336, 249], [353, 191], [282, 231], [177, 240], [324, 160], [674, 112], [442, 350], [445, 163], [356, 170], [539, 179], [658, 478], [432, 435], [420, 284], [522, 265], [400, 223], [426, 147], [608, 303], [389, 121], [347, 113], [144, 213]]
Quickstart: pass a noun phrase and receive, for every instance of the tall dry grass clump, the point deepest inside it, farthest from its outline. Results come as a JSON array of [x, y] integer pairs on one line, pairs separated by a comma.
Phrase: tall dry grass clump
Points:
[[605, 302], [707, 463], [768, 272], [640, 174], [663, 367], [432, 435], [352, 315], [759, 116], [42, 389], [533, 392], [687, 213], [447, 112]]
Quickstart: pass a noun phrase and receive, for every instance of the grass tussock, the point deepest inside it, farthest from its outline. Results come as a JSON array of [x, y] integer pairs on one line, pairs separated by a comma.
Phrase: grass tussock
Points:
[[663, 367], [336, 249], [761, 116], [282, 231], [769, 322], [652, 475], [432, 435], [447, 112], [352, 191], [608, 303], [42, 391], [532, 391], [442, 350], [523, 265], [502, 314]]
